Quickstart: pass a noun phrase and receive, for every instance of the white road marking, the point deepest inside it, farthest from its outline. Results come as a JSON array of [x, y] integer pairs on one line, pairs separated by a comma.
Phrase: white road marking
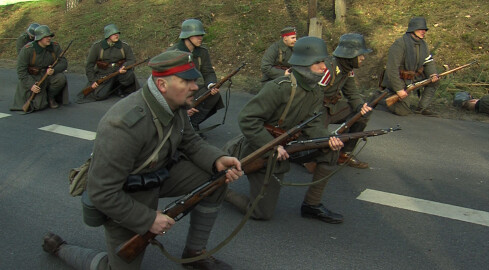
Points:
[[425, 206], [69, 131], [2, 115]]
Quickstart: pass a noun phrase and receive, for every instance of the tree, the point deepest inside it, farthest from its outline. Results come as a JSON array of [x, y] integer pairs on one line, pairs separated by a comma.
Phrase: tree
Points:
[[339, 7], [71, 4]]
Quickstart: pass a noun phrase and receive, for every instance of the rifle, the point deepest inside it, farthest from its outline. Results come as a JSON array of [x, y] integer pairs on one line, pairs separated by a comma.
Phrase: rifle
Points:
[[89, 88], [179, 208], [207, 93], [395, 98], [317, 143], [27, 104]]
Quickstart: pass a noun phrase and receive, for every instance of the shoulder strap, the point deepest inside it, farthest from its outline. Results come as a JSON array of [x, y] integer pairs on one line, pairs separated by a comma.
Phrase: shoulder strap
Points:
[[101, 54], [123, 53], [280, 56], [33, 59], [289, 103]]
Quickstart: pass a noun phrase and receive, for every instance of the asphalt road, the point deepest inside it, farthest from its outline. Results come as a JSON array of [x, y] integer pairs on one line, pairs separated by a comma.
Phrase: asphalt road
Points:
[[437, 160]]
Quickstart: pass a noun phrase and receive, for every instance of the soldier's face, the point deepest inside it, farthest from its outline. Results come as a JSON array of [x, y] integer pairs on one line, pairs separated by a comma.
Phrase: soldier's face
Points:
[[318, 68], [177, 91], [420, 33], [290, 40], [360, 59], [196, 40], [45, 41], [114, 38]]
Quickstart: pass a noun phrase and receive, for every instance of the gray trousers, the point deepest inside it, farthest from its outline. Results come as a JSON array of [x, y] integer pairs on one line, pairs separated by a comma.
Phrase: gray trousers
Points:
[[402, 107], [104, 90], [184, 177], [207, 108]]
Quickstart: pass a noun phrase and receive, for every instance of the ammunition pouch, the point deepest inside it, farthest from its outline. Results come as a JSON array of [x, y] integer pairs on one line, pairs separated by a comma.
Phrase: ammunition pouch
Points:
[[33, 70], [91, 215], [105, 65], [331, 100], [147, 181], [410, 75]]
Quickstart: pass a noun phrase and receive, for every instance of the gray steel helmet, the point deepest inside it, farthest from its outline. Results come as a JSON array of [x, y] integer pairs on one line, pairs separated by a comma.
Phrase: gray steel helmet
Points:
[[191, 27], [351, 45], [110, 29], [31, 29], [42, 31], [307, 51], [417, 23]]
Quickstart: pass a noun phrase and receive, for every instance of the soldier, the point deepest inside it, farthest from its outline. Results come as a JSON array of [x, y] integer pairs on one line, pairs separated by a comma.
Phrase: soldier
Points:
[[191, 37], [465, 101], [34, 60], [274, 63], [107, 56], [348, 55], [27, 36], [409, 60], [269, 107], [127, 136]]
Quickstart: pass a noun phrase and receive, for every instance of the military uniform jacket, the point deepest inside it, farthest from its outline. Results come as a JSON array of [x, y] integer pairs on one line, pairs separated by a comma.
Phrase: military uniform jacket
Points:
[[396, 61], [44, 57], [110, 54], [126, 137], [278, 54], [22, 40], [484, 104], [342, 84], [267, 107]]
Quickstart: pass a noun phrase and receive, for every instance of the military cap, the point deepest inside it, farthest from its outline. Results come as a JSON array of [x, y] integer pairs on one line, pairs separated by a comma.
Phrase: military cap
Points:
[[31, 29], [307, 51], [110, 30], [191, 27], [42, 31], [351, 45], [288, 31], [174, 62], [417, 23]]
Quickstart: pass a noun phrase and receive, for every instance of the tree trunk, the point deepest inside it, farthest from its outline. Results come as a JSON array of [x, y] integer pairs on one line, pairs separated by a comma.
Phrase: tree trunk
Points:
[[71, 4], [340, 11]]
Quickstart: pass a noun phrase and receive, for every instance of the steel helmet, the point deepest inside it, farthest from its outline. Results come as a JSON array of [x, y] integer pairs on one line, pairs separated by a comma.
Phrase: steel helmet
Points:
[[307, 51], [351, 45], [417, 23], [42, 31], [110, 29], [191, 27], [31, 29]]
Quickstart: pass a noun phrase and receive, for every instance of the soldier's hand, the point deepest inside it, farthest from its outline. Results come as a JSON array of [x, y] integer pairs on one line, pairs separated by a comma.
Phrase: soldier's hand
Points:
[[434, 78], [122, 70], [282, 153], [192, 111], [335, 144], [365, 109], [36, 89], [287, 72], [214, 91], [402, 94], [234, 171], [94, 85], [162, 223], [50, 71]]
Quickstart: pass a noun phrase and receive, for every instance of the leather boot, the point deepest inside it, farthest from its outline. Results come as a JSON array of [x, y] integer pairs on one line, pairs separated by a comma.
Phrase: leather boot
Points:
[[52, 243], [320, 212], [239, 200], [209, 263], [425, 112], [53, 104], [352, 161]]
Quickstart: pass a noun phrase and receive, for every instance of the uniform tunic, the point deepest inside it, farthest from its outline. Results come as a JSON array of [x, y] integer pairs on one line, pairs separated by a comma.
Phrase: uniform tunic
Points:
[[22, 40], [483, 105], [126, 137], [102, 51], [278, 54], [51, 87], [202, 61]]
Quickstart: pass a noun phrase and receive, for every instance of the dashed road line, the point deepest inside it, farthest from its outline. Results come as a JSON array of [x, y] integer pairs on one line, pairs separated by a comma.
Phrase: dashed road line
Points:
[[69, 131], [3, 115], [425, 206]]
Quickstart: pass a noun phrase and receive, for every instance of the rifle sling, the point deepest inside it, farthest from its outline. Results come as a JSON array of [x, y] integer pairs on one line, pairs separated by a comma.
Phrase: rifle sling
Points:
[[289, 103]]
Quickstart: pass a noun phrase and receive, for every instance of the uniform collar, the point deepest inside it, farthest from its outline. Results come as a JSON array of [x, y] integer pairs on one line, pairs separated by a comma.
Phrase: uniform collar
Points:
[[40, 49], [301, 82], [182, 47], [164, 116], [105, 45]]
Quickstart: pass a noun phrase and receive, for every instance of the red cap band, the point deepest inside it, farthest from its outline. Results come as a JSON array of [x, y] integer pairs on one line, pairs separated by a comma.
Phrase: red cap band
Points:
[[289, 34], [174, 70]]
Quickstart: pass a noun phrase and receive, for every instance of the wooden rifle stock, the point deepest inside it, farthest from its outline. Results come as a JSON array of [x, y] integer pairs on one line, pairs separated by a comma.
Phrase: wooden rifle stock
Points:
[[179, 208], [89, 88], [395, 98], [207, 93], [27, 104], [317, 143]]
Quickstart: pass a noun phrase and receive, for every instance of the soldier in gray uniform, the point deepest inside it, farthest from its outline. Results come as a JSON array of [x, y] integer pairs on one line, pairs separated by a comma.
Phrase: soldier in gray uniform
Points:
[[301, 89], [107, 56], [127, 137], [274, 62], [34, 60], [191, 37], [348, 55], [409, 60], [27, 36]]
